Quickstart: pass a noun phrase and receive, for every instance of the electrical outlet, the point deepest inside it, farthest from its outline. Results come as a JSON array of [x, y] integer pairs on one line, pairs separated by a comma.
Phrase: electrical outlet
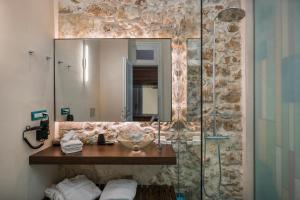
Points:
[[37, 115]]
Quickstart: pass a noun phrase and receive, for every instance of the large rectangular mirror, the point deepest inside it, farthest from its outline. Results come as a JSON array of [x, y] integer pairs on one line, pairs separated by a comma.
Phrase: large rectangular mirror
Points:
[[113, 79]]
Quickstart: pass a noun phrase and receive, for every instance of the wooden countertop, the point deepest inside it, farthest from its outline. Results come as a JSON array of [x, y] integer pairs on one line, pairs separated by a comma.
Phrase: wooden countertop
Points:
[[106, 154]]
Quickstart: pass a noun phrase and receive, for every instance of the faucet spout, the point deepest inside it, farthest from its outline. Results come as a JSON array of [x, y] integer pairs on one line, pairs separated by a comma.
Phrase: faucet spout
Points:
[[157, 118]]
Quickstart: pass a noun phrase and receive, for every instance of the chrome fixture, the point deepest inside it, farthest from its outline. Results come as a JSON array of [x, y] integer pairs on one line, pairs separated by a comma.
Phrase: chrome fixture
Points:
[[30, 52], [227, 15], [231, 14], [217, 137], [157, 118], [68, 66]]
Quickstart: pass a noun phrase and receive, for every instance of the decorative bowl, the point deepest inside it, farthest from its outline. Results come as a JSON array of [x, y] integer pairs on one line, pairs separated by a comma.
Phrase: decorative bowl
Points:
[[135, 141]]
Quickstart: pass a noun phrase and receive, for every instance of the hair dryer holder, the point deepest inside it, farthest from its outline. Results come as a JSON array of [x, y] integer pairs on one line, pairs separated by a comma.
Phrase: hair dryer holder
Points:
[[42, 132]]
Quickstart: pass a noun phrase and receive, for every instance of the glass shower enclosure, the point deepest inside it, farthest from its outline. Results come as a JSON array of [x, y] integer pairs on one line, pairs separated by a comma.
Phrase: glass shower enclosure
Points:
[[277, 99]]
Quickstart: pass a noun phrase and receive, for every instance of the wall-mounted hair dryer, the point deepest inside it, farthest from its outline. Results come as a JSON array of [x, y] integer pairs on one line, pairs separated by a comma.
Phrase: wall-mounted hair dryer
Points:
[[42, 132]]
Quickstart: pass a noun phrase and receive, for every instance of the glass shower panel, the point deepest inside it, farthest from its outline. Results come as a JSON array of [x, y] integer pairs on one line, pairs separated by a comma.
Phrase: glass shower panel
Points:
[[277, 99]]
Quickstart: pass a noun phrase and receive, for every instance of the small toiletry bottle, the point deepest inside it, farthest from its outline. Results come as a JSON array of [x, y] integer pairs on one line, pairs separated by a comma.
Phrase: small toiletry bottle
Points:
[[101, 139], [70, 118]]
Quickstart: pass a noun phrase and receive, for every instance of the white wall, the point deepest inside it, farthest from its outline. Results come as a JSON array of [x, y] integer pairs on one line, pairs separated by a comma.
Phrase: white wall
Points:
[[111, 78], [69, 81], [26, 84], [72, 90]]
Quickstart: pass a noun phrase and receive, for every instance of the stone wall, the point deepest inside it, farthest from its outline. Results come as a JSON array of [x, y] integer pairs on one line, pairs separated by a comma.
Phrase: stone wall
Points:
[[179, 20]]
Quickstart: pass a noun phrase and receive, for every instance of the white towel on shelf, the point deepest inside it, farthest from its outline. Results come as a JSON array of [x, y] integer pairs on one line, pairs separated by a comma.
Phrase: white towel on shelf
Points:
[[70, 143], [78, 188], [71, 146], [71, 135], [53, 193], [121, 189]]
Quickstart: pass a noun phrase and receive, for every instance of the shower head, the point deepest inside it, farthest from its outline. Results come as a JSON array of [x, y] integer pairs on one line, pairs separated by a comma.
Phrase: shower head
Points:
[[231, 15]]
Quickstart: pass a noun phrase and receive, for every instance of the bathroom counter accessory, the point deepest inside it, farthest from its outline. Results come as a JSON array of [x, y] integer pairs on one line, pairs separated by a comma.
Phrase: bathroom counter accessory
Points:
[[107, 154]]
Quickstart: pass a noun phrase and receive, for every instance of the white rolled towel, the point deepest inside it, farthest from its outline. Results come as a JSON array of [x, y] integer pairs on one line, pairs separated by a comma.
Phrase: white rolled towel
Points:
[[121, 189], [71, 135], [78, 188], [70, 143], [71, 146], [53, 193]]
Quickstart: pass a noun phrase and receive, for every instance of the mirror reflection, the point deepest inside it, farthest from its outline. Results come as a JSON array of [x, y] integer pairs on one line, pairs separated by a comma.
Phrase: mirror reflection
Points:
[[194, 80], [113, 79]]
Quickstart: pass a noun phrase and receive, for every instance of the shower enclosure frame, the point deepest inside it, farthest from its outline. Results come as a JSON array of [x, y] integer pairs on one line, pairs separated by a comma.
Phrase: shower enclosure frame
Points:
[[248, 99]]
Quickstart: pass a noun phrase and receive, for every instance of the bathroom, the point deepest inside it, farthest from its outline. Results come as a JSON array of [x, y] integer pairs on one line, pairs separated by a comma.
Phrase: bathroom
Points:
[[207, 87]]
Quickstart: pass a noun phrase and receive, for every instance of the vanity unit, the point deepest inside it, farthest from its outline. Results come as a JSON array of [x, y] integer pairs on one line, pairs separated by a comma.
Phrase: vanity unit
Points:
[[120, 81], [106, 154]]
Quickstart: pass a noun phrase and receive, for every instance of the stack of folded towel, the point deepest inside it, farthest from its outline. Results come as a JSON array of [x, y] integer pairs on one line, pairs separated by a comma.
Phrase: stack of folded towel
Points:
[[77, 188], [70, 143], [121, 189]]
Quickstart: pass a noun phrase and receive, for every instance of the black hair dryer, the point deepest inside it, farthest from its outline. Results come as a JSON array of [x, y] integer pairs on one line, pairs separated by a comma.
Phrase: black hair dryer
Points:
[[42, 132]]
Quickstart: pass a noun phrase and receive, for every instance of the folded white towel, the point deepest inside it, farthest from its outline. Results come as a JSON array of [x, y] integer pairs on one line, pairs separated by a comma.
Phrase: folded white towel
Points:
[[70, 143], [78, 188], [71, 149], [71, 135], [121, 189], [53, 193]]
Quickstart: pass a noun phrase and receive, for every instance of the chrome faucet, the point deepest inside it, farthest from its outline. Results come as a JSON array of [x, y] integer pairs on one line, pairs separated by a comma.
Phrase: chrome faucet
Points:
[[157, 118]]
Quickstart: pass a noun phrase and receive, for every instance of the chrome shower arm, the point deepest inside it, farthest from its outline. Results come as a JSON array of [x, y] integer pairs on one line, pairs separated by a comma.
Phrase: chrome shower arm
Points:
[[214, 79]]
